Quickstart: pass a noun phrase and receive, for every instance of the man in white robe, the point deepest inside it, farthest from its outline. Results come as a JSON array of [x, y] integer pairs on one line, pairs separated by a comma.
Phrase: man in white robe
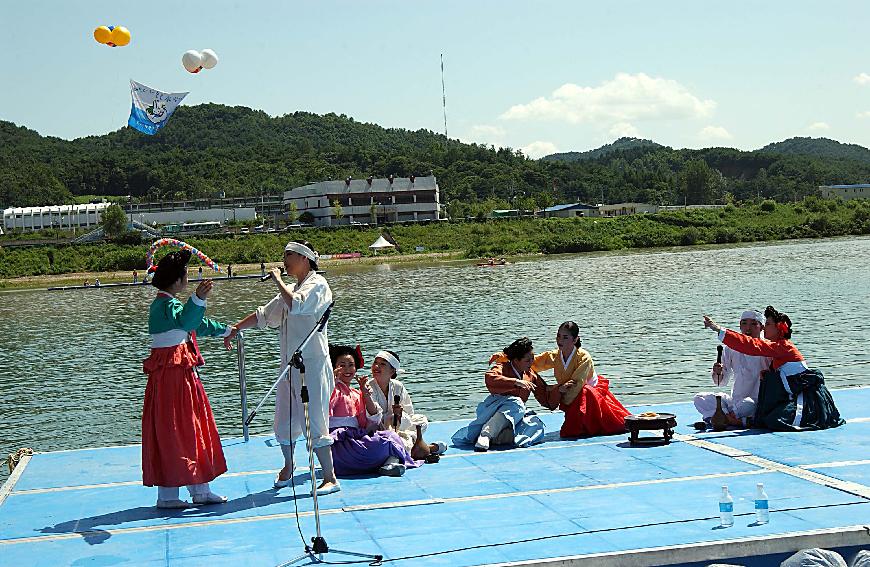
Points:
[[739, 405], [294, 312]]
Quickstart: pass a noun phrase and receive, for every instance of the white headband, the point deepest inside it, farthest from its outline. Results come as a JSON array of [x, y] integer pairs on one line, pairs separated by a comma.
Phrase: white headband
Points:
[[752, 314], [394, 362], [302, 250]]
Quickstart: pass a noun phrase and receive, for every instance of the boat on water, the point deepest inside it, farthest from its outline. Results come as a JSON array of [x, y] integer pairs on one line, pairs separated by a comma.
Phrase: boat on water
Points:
[[570, 502], [493, 262]]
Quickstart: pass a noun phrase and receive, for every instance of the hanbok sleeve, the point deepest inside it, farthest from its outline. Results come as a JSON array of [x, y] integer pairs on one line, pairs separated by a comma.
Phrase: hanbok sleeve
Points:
[[270, 315], [584, 374], [334, 398], [547, 396], [361, 414], [311, 298], [759, 347], [372, 420], [727, 368], [211, 328], [585, 370], [545, 361], [498, 383], [407, 407], [187, 316]]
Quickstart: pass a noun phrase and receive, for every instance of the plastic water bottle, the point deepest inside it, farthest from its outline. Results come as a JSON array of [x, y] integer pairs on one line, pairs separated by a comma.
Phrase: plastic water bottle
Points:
[[762, 509], [726, 508]]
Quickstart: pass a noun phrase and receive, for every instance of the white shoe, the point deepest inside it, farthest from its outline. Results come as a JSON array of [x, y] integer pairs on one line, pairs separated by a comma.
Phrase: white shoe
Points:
[[173, 504], [330, 490], [282, 483], [482, 444], [209, 498]]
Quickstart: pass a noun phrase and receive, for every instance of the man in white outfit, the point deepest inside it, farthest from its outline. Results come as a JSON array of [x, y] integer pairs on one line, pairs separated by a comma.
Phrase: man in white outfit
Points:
[[746, 370], [294, 311]]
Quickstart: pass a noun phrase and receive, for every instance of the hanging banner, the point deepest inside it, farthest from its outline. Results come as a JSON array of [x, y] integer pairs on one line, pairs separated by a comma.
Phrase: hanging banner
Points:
[[151, 108]]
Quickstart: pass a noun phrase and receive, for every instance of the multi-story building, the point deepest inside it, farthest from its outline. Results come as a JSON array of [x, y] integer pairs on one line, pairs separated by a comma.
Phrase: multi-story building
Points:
[[367, 201]]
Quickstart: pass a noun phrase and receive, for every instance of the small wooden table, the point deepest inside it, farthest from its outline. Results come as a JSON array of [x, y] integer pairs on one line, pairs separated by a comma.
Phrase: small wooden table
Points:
[[663, 421]]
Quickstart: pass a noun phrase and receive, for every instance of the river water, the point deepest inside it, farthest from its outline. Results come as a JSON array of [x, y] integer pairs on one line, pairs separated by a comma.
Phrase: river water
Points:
[[71, 374]]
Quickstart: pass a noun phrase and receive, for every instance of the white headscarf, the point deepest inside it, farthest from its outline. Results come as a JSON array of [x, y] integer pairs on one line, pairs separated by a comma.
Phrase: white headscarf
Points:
[[302, 250], [752, 314], [394, 362]]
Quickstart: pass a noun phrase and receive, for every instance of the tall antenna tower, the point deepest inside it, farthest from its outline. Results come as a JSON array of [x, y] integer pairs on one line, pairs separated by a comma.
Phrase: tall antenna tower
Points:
[[443, 96]]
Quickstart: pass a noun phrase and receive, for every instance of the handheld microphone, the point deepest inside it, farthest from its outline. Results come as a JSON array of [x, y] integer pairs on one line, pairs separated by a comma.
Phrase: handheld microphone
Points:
[[719, 354], [395, 416], [269, 276]]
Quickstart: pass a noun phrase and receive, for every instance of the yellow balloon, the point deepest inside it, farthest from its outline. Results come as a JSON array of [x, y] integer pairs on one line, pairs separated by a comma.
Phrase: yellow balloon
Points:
[[120, 36], [102, 34]]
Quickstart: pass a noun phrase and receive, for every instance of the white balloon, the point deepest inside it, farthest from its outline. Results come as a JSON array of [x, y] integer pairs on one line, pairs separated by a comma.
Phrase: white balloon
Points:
[[209, 58], [192, 60]]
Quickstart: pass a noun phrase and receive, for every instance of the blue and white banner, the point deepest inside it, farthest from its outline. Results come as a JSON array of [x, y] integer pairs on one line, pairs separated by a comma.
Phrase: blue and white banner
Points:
[[151, 108]]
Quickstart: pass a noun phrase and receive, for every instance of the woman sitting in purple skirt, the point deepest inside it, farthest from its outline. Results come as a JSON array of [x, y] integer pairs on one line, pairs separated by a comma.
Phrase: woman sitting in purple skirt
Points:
[[353, 419]]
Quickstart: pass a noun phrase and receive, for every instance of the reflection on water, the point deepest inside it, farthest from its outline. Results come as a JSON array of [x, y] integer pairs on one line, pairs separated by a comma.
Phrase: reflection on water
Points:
[[71, 361]]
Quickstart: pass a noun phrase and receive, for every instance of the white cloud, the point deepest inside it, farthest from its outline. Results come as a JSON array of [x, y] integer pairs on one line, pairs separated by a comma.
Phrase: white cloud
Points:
[[864, 114], [818, 126], [625, 98], [539, 149], [862, 79], [624, 130], [714, 133], [486, 134]]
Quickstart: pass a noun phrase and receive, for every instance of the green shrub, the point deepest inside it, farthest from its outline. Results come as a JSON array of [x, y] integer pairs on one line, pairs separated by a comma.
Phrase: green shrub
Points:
[[768, 206], [691, 235]]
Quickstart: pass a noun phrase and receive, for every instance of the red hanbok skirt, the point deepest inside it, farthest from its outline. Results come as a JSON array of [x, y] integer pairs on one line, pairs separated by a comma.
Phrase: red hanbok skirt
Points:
[[595, 411], [180, 442]]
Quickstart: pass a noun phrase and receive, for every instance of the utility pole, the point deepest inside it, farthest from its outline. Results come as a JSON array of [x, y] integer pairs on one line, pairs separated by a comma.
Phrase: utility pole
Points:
[[443, 96]]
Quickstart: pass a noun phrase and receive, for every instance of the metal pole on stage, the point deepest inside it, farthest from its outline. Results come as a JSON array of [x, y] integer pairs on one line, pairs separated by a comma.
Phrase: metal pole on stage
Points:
[[243, 385]]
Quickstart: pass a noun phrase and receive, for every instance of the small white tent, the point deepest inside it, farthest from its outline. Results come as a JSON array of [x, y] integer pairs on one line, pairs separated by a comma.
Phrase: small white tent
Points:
[[381, 244]]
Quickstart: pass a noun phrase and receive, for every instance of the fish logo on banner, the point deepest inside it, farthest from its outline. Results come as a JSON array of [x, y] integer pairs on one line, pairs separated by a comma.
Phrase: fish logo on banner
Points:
[[151, 108]]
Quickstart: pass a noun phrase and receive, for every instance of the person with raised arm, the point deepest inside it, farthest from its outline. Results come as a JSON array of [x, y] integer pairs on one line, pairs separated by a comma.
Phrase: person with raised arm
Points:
[[295, 311], [792, 396], [180, 441], [745, 370], [354, 419]]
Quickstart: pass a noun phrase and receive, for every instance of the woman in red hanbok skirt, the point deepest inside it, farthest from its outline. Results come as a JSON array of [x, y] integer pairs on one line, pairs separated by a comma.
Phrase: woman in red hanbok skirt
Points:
[[589, 405], [180, 442]]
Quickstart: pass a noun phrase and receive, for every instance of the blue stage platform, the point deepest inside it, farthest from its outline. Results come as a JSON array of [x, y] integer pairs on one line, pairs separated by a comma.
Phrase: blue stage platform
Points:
[[595, 501]]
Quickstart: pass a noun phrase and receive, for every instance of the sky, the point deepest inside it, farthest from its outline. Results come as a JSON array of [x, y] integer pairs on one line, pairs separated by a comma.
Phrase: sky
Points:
[[543, 76]]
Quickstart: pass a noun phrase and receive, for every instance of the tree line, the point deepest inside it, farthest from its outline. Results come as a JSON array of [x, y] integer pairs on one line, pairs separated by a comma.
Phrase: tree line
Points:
[[210, 150]]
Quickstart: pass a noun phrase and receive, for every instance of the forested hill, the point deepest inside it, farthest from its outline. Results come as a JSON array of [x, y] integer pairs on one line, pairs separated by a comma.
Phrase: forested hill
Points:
[[819, 147], [624, 143], [209, 149]]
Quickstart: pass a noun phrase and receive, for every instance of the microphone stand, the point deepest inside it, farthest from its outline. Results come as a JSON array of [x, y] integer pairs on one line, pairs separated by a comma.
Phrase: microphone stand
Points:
[[313, 553]]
